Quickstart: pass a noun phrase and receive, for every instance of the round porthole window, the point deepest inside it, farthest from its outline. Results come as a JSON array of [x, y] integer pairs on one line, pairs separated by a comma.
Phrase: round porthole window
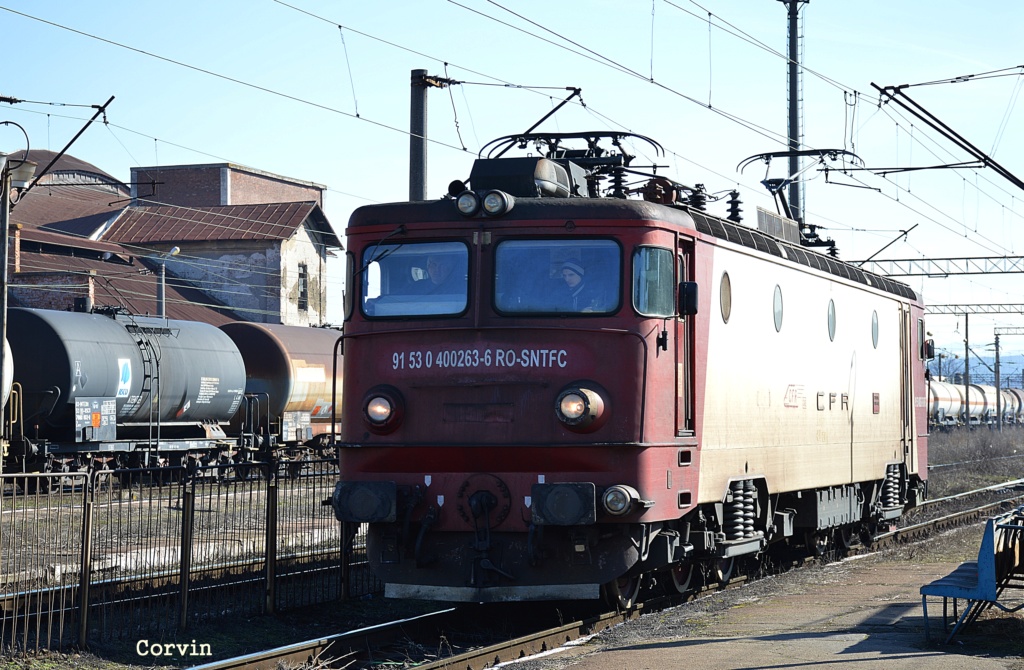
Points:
[[874, 329], [831, 320], [778, 308], [725, 296]]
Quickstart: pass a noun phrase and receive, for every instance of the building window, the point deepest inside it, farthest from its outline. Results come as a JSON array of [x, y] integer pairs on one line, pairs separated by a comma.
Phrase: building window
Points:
[[303, 287]]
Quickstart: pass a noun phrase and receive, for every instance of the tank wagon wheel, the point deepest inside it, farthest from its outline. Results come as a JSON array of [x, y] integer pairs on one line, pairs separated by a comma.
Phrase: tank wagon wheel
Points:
[[245, 469], [37, 485], [623, 592], [722, 570], [681, 576]]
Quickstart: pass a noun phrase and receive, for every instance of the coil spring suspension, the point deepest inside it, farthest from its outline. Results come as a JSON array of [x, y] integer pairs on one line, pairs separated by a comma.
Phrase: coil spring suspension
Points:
[[734, 512], [741, 510], [749, 505], [891, 488]]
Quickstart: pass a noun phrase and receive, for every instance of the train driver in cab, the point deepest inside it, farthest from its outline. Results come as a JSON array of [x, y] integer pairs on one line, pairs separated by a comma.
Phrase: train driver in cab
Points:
[[579, 295], [443, 276]]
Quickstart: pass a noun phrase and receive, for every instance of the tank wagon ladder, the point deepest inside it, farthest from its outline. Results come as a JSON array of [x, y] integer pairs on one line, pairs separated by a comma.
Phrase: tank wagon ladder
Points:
[[150, 364]]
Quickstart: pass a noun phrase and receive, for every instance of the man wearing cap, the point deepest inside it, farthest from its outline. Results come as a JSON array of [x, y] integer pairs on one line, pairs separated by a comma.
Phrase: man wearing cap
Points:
[[581, 298]]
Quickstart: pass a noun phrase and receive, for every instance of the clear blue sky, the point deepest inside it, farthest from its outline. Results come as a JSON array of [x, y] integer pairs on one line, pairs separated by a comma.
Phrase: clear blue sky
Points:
[[278, 86]]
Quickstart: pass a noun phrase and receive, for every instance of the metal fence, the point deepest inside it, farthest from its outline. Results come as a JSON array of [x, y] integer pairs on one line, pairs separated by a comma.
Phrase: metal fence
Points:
[[116, 555]]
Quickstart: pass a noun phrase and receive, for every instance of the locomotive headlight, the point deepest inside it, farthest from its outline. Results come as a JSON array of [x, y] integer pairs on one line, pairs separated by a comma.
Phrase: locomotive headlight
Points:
[[580, 407], [468, 203], [379, 409], [617, 500], [497, 203], [572, 405], [382, 409]]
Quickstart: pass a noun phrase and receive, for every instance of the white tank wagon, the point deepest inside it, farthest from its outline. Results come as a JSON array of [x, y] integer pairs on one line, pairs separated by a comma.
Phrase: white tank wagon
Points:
[[945, 404], [1018, 405], [990, 398], [8, 377], [1011, 406], [975, 406]]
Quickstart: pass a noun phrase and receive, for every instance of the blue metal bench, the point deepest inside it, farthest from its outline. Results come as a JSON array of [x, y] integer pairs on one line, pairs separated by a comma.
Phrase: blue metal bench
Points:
[[982, 582]]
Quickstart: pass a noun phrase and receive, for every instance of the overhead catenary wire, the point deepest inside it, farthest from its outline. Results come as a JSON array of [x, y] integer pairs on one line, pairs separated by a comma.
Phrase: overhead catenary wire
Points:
[[399, 46], [224, 77], [622, 68]]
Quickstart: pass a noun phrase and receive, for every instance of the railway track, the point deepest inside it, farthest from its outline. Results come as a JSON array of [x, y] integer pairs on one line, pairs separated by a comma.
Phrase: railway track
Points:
[[433, 641]]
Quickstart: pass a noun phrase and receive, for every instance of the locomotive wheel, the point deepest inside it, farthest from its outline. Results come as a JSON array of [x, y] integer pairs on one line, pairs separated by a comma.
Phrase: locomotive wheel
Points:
[[682, 576], [622, 592], [820, 544], [722, 570], [847, 538]]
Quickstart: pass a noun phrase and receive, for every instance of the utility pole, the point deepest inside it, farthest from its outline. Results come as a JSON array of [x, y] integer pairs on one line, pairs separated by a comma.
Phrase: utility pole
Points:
[[420, 81], [796, 187], [999, 390], [967, 373]]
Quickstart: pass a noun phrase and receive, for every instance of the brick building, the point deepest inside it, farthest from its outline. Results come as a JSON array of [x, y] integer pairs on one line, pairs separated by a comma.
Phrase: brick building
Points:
[[250, 245]]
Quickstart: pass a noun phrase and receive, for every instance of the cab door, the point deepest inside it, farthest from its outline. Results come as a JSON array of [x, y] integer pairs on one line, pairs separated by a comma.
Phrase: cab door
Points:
[[908, 352], [684, 327]]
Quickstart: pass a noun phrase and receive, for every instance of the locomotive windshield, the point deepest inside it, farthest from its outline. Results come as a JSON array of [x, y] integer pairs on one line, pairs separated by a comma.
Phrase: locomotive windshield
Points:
[[418, 279], [557, 276]]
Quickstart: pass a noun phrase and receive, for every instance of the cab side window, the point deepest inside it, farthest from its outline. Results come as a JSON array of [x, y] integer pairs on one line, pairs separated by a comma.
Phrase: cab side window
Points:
[[654, 284]]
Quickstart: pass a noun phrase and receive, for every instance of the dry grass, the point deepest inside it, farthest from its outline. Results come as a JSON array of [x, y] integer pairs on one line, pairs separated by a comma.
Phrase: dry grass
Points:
[[963, 460]]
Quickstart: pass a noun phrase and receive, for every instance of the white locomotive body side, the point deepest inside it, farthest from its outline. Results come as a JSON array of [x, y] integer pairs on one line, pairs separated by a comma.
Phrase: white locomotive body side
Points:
[[799, 420]]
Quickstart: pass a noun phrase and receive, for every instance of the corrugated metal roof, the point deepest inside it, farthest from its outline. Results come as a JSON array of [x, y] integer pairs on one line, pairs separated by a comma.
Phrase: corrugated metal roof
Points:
[[60, 239], [76, 210], [274, 221], [133, 287]]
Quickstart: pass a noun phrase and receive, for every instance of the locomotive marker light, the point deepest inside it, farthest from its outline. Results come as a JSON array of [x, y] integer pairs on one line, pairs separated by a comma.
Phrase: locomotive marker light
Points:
[[619, 499], [580, 408], [383, 409], [378, 409]]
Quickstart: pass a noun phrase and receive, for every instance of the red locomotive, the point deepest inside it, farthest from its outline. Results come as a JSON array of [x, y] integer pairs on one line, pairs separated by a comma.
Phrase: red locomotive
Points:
[[554, 390]]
